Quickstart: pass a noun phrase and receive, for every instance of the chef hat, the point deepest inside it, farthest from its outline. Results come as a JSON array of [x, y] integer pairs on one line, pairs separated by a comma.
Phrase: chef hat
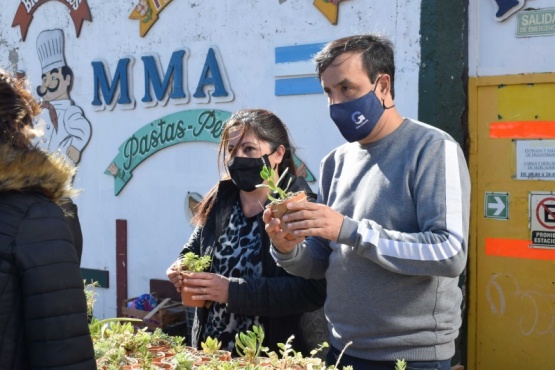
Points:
[[50, 47]]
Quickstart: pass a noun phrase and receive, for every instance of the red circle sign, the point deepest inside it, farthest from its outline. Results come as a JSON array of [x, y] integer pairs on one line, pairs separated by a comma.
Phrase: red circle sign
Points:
[[549, 212]]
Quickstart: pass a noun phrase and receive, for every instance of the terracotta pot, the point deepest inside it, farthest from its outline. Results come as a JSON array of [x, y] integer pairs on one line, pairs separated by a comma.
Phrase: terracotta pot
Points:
[[202, 360], [162, 365], [223, 355], [280, 209], [131, 367], [187, 300], [163, 348]]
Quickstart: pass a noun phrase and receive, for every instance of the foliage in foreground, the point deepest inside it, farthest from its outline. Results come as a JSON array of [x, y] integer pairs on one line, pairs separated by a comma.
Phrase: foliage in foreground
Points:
[[118, 344]]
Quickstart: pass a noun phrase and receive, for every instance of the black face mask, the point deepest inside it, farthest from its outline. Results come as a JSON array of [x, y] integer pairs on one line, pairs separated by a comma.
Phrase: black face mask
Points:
[[245, 172]]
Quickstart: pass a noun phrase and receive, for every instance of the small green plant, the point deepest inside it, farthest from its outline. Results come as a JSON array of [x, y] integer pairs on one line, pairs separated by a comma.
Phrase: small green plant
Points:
[[211, 345], [249, 344], [183, 361], [268, 175], [400, 365], [193, 262], [90, 295], [319, 349], [291, 359]]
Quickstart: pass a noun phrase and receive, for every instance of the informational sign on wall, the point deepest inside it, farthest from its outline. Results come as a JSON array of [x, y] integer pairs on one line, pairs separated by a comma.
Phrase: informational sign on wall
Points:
[[496, 205], [536, 22], [542, 219], [535, 159]]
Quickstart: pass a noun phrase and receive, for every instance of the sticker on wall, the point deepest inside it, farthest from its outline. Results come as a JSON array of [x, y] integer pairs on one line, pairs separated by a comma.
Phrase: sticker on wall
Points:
[[147, 12], [78, 10], [506, 8], [542, 219], [62, 124], [192, 200], [496, 205], [180, 127], [161, 84], [294, 70], [329, 8], [185, 126], [535, 160]]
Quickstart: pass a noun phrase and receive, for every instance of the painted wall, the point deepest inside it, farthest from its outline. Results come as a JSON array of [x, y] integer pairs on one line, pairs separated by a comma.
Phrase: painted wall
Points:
[[244, 35], [494, 48]]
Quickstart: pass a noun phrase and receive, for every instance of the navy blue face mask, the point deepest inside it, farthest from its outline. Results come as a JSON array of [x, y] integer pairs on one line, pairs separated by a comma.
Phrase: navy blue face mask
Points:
[[355, 119]]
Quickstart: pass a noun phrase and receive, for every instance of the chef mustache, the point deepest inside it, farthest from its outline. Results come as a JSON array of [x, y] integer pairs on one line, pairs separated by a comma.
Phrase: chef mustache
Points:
[[41, 91]]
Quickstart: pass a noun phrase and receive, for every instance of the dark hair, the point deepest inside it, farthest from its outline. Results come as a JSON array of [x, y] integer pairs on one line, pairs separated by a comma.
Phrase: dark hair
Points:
[[264, 125], [376, 53], [17, 110]]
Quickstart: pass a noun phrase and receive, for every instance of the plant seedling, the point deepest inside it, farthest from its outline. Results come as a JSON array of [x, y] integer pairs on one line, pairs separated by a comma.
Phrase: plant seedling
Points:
[[249, 344], [268, 175], [211, 345], [192, 262]]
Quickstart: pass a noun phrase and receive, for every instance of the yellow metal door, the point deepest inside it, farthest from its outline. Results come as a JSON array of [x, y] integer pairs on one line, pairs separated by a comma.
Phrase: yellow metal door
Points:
[[511, 313]]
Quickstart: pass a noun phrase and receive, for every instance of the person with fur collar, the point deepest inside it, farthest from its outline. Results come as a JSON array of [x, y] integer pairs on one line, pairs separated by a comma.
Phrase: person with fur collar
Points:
[[43, 309]]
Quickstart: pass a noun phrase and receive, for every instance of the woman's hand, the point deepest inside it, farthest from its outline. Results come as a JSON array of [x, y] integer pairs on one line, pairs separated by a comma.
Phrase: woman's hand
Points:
[[175, 277], [206, 286]]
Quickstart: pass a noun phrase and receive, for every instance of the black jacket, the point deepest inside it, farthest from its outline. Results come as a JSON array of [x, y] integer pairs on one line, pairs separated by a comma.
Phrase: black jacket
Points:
[[278, 298], [43, 311]]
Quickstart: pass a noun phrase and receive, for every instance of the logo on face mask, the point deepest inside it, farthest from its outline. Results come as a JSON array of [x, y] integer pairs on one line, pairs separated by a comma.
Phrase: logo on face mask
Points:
[[358, 119], [355, 119]]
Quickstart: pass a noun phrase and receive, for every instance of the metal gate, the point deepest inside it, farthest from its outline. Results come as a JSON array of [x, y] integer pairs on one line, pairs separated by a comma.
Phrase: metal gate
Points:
[[511, 316]]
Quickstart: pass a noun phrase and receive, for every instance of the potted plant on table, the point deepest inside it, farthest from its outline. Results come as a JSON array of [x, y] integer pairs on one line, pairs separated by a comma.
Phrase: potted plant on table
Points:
[[249, 344], [212, 348], [191, 262], [279, 197]]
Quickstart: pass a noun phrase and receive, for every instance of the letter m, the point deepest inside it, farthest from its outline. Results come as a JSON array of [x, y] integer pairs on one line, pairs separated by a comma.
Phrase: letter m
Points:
[[103, 89], [174, 74]]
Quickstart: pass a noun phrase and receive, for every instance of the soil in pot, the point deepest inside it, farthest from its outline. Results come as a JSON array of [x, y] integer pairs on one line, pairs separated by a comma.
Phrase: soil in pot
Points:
[[280, 209]]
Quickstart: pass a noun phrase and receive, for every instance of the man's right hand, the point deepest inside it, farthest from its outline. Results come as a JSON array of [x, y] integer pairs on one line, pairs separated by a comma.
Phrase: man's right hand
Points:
[[273, 228]]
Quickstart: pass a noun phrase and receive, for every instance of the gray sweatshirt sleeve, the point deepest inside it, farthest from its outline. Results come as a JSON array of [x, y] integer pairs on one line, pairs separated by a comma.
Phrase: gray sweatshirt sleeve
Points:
[[309, 259], [440, 191]]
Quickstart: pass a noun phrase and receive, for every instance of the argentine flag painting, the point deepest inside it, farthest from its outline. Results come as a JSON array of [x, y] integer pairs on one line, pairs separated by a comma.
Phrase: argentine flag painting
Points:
[[294, 70]]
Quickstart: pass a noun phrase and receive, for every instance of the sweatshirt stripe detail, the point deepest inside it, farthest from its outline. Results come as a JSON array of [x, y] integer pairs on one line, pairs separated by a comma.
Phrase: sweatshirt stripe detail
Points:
[[452, 245]]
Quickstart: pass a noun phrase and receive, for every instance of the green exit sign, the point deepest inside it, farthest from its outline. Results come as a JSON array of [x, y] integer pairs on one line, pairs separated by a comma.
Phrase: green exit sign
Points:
[[536, 23], [496, 205]]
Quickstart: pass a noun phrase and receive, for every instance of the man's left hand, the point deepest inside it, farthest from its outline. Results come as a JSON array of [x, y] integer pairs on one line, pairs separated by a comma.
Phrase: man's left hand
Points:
[[312, 219]]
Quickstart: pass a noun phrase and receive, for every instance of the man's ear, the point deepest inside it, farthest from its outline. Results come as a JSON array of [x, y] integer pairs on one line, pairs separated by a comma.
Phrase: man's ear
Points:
[[384, 85]]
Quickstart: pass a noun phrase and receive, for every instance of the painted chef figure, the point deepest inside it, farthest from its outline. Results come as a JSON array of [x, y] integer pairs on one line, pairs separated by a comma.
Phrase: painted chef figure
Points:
[[62, 124], [65, 127]]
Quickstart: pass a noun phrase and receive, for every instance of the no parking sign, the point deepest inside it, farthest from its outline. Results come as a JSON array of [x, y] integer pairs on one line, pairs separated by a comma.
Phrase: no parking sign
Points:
[[542, 219]]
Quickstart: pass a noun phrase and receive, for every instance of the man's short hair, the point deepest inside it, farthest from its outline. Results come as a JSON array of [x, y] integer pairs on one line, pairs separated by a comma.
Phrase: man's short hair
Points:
[[376, 53]]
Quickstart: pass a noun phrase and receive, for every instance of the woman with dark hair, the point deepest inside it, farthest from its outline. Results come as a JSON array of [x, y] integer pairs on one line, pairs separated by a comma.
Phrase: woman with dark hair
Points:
[[43, 309], [244, 285]]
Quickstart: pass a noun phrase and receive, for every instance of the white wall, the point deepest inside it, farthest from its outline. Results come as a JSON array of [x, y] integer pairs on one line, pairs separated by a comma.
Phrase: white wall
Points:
[[245, 33], [494, 48]]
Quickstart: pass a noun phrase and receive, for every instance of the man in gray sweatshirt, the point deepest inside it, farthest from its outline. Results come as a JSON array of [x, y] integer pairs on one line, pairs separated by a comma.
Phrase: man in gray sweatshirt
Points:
[[389, 231]]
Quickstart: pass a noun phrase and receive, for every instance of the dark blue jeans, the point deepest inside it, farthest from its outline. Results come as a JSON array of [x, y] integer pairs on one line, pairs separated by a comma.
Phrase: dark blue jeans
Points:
[[361, 364]]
